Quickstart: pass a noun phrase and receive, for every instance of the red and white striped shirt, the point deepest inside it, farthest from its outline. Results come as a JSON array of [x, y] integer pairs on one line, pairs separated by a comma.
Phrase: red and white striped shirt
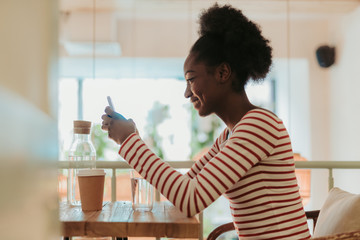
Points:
[[254, 169]]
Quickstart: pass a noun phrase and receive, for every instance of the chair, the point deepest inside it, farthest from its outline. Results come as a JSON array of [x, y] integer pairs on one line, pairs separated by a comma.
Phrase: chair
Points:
[[338, 218], [227, 227], [313, 215]]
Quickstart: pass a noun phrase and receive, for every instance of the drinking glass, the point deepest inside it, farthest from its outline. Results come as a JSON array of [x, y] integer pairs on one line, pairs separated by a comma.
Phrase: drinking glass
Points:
[[142, 193]]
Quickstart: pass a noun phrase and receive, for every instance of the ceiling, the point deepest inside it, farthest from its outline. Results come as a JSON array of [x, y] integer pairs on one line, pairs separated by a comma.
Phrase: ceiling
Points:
[[182, 8], [75, 14]]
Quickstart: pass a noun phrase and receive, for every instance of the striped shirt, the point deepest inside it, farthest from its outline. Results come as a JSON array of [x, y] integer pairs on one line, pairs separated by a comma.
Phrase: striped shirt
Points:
[[254, 169]]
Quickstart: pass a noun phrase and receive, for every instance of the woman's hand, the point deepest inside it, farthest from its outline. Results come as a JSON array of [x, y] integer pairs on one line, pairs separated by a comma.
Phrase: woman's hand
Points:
[[118, 129]]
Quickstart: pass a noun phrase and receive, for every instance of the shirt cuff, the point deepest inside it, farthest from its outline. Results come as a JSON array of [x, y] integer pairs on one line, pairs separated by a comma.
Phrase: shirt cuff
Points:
[[127, 145]]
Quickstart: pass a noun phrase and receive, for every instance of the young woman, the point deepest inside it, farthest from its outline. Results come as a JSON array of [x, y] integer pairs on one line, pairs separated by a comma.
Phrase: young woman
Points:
[[251, 162]]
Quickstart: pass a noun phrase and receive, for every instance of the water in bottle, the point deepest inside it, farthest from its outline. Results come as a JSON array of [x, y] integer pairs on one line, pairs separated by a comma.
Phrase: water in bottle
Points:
[[83, 152]]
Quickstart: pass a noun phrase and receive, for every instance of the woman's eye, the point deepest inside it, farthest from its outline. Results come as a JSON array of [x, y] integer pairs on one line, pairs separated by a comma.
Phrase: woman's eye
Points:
[[190, 79]]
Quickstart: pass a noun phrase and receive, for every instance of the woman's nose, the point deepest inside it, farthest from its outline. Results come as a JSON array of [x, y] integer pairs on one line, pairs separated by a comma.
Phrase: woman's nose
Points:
[[187, 92]]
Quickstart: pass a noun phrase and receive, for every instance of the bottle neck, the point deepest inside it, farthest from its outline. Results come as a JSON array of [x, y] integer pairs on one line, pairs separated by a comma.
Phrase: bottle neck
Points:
[[83, 137]]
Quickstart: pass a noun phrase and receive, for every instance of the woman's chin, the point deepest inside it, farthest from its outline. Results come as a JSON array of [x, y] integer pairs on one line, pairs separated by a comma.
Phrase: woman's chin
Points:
[[202, 112]]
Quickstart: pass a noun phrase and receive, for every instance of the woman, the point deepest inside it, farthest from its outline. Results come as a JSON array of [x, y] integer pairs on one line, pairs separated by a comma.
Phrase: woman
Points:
[[251, 162]]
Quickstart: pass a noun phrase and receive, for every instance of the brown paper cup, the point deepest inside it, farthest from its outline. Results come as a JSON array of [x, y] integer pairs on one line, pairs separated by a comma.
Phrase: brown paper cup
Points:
[[91, 185]]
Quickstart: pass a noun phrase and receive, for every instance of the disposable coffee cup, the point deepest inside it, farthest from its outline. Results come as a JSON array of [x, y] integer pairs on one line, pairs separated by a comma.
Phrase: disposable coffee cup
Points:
[[91, 186]]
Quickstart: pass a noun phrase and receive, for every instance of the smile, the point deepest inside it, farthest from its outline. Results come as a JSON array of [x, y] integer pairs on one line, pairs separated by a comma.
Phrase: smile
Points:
[[194, 100]]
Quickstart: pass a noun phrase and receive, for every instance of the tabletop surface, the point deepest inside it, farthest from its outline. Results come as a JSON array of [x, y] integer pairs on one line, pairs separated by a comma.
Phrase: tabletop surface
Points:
[[118, 219]]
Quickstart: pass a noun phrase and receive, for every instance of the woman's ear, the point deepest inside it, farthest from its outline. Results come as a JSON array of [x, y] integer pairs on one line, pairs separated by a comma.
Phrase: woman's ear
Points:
[[223, 72]]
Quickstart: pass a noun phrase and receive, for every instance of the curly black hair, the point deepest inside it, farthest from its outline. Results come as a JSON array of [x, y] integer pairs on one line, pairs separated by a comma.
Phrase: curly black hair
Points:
[[226, 35]]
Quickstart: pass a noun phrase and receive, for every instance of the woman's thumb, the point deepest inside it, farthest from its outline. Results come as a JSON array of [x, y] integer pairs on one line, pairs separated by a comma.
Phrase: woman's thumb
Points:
[[132, 121]]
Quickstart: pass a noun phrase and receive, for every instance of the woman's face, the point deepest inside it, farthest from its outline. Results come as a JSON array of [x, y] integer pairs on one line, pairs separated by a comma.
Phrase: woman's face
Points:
[[201, 86]]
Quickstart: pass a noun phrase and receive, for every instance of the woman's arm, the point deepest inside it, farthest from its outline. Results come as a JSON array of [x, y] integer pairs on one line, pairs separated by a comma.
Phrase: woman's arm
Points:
[[200, 163], [246, 147]]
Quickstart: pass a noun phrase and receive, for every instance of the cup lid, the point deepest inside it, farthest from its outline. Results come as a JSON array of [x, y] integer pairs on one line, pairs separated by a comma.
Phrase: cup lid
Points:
[[91, 172]]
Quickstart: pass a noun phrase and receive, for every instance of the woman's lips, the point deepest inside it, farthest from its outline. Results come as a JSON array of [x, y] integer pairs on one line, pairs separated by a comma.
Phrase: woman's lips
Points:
[[195, 101]]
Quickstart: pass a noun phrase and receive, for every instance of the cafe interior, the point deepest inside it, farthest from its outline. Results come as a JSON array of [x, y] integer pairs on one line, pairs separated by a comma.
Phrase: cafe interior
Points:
[[59, 60]]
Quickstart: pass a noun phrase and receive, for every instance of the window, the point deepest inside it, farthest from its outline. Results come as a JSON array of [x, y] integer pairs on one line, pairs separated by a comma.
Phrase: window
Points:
[[157, 106]]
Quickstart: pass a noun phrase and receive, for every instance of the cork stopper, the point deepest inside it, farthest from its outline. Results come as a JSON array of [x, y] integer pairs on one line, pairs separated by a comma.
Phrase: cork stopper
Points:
[[82, 127]]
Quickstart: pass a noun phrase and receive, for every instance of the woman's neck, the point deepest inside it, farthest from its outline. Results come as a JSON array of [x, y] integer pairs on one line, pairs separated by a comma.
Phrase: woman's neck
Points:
[[235, 106]]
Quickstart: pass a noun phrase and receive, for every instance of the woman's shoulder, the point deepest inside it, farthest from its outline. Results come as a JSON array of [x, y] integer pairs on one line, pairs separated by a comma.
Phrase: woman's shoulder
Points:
[[260, 116], [263, 114], [223, 136]]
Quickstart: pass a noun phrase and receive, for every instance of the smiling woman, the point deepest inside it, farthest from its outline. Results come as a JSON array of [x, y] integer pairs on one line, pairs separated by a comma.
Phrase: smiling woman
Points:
[[251, 162]]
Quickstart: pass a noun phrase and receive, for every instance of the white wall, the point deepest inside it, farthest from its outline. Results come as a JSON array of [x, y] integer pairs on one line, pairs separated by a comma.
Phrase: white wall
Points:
[[345, 98], [345, 86], [304, 86]]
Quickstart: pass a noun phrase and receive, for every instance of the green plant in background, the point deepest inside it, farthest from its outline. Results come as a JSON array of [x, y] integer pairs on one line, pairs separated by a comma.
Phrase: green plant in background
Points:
[[202, 136], [156, 116], [99, 138]]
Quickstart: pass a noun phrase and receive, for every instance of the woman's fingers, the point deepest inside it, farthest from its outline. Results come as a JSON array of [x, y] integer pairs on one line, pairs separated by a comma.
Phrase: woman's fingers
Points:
[[112, 114], [109, 111], [118, 127], [106, 122], [105, 126], [105, 117]]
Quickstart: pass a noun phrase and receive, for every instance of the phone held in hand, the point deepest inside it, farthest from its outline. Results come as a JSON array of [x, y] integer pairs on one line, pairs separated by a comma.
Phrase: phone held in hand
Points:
[[110, 103], [115, 115]]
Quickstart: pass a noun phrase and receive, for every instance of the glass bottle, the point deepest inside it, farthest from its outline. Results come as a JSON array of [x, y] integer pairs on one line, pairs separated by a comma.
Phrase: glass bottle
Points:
[[83, 152]]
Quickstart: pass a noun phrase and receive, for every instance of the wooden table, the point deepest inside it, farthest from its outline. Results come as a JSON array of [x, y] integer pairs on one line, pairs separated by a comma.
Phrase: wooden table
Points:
[[117, 219]]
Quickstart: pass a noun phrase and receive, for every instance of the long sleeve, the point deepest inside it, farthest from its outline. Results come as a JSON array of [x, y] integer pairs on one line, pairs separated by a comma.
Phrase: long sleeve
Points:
[[199, 164], [252, 140], [215, 148]]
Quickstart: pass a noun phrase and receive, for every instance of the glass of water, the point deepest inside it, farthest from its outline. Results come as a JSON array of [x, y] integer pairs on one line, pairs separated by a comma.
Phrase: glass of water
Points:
[[142, 193]]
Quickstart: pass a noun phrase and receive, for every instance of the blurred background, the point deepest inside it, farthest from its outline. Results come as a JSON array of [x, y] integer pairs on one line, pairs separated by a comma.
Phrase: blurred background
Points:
[[60, 59]]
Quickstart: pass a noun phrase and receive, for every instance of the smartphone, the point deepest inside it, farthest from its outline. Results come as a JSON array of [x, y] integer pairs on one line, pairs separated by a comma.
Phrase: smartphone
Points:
[[110, 103], [115, 114]]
